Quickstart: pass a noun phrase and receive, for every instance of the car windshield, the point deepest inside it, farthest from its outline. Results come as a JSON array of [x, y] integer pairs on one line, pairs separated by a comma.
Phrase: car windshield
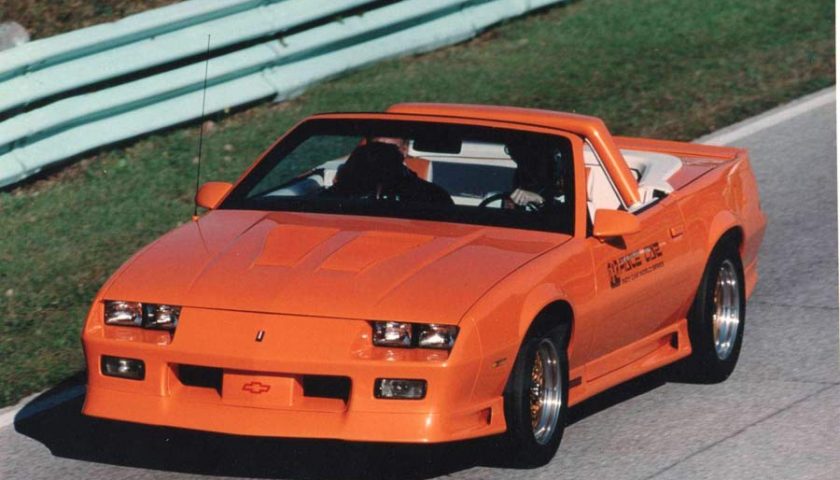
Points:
[[419, 170]]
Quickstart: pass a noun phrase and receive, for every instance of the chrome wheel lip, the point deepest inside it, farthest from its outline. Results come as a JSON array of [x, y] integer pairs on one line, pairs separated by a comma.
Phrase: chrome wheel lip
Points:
[[726, 315], [550, 392]]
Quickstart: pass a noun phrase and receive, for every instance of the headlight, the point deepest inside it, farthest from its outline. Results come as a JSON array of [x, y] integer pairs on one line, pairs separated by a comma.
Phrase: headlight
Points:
[[123, 313], [160, 316], [402, 334], [436, 336], [392, 334], [146, 315]]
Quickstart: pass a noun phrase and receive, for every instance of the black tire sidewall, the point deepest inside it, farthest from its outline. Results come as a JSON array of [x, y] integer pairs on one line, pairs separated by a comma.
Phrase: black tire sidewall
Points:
[[704, 365], [523, 449]]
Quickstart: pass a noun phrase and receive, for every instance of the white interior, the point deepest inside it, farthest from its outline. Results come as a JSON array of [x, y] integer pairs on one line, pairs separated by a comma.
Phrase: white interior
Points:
[[655, 169], [652, 169]]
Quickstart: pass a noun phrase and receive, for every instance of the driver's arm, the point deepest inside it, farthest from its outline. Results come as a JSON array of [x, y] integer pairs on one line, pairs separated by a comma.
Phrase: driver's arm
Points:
[[524, 197]]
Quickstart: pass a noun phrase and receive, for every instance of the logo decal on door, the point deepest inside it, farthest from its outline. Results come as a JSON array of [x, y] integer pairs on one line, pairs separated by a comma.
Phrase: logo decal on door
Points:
[[634, 265]]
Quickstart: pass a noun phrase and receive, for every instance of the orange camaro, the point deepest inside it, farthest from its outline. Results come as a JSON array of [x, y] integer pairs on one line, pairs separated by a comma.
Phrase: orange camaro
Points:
[[428, 274]]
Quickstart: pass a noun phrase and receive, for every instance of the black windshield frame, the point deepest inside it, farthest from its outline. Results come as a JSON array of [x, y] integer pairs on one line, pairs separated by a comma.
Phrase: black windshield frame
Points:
[[367, 128]]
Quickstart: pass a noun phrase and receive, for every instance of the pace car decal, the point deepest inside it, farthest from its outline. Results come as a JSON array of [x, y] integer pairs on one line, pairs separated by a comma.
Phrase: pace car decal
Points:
[[634, 265]]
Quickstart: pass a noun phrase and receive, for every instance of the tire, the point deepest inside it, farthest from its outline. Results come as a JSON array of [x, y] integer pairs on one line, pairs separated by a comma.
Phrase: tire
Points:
[[532, 439], [716, 319]]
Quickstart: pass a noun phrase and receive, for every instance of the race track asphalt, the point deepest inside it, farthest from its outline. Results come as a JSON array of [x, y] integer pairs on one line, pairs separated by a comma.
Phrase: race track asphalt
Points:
[[777, 417]]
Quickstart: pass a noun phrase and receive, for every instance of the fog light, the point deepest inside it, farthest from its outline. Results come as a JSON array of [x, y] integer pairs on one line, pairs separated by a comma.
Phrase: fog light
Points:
[[399, 388], [123, 368]]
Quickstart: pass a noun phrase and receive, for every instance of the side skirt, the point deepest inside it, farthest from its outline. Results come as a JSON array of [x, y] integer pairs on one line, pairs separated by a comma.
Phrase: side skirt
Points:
[[659, 349]]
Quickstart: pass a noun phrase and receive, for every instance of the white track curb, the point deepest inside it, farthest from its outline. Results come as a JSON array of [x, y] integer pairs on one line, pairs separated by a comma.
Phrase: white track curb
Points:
[[35, 405], [783, 113]]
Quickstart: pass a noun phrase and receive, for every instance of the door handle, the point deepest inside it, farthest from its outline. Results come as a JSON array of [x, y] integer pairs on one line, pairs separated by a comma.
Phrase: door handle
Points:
[[677, 231]]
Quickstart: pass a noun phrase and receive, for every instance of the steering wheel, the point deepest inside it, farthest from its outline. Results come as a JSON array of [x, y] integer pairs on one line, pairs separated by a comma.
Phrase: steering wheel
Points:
[[530, 207], [494, 197]]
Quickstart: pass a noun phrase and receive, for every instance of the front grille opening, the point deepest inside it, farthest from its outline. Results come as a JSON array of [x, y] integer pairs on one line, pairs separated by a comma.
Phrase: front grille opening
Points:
[[326, 387], [205, 377]]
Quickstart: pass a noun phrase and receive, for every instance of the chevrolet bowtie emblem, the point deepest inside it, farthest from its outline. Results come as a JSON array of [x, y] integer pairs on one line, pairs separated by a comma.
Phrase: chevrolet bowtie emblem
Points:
[[256, 387], [260, 335]]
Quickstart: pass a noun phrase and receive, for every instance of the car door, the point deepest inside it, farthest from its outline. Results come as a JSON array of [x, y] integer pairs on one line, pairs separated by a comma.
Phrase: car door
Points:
[[639, 280]]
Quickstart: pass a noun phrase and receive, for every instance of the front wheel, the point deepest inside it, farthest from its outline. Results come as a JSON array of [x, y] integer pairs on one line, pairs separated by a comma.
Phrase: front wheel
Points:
[[716, 320], [536, 399]]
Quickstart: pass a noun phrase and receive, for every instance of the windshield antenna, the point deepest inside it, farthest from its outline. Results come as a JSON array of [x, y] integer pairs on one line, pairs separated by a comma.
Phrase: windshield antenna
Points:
[[201, 128]]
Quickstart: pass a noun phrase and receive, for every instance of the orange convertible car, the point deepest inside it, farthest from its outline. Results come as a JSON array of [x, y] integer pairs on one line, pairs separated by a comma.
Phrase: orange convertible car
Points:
[[429, 274]]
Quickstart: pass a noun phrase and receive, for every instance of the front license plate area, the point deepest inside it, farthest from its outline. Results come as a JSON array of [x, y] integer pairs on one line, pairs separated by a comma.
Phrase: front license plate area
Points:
[[252, 389]]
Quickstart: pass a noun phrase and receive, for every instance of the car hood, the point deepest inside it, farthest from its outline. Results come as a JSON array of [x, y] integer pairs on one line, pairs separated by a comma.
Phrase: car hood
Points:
[[327, 265]]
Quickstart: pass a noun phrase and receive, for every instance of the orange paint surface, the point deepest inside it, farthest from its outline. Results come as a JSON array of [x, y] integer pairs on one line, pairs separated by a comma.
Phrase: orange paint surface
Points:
[[312, 283]]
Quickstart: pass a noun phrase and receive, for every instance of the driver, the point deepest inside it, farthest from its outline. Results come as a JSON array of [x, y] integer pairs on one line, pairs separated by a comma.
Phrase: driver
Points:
[[376, 169], [537, 181], [400, 143]]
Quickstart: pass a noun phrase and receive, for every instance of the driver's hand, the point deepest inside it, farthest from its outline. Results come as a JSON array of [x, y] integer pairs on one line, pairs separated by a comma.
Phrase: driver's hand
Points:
[[524, 197]]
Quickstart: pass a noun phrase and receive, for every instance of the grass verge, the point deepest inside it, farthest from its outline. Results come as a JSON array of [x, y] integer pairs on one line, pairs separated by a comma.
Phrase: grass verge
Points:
[[45, 18], [661, 68]]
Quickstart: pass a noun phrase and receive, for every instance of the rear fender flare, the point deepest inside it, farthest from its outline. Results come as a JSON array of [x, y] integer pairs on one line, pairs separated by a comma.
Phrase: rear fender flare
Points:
[[720, 225]]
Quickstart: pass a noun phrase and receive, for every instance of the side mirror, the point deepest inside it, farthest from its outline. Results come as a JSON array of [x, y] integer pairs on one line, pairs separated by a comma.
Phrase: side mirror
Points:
[[211, 194], [614, 223]]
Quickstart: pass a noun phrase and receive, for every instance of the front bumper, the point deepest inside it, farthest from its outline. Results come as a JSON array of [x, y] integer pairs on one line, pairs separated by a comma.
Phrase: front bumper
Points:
[[380, 426], [293, 348]]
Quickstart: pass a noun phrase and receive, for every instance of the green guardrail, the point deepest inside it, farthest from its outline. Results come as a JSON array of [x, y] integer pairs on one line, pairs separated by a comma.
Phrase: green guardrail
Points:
[[262, 49]]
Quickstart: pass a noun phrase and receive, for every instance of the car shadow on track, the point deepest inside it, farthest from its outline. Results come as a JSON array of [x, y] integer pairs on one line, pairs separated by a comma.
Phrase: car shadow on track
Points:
[[69, 434]]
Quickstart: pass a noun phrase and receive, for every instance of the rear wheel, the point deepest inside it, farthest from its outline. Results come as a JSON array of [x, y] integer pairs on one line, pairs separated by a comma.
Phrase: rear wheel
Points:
[[536, 399], [716, 320]]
